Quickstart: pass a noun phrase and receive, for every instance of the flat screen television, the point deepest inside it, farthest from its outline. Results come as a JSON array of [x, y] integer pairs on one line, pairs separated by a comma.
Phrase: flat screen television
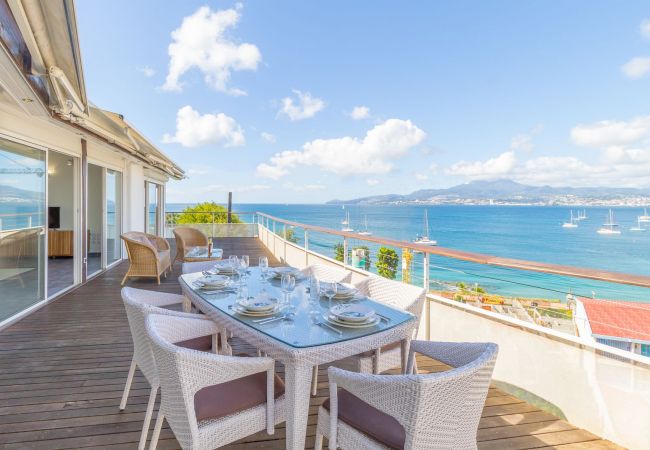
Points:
[[54, 217]]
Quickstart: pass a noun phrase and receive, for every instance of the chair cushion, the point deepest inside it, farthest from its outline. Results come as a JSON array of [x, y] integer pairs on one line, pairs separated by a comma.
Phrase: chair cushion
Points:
[[221, 400], [368, 420], [202, 343]]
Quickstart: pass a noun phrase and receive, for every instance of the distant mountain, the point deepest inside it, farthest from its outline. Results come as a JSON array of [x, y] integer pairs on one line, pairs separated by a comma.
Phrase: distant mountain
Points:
[[16, 195], [505, 192]]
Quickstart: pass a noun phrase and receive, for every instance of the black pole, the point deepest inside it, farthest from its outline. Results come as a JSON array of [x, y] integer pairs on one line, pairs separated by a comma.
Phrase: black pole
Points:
[[229, 207]]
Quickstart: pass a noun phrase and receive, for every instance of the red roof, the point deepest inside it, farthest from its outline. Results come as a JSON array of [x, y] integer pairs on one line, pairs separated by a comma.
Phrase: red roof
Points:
[[628, 320]]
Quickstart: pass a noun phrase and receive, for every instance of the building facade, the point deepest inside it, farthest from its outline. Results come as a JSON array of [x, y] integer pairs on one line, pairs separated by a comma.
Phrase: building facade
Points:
[[73, 176]]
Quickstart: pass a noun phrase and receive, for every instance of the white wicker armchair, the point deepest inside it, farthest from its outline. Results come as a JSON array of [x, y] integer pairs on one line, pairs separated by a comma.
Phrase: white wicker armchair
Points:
[[394, 293], [413, 412], [211, 400], [329, 273], [138, 304], [398, 295]]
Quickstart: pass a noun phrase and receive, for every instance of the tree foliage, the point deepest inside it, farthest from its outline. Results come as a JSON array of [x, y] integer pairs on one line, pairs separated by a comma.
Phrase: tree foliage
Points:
[[291, 235], [206, 212], [338, 252], [387, 261]]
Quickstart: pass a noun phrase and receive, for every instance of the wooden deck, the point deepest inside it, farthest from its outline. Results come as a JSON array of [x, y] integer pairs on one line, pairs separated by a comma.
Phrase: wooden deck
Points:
[[63, 369]]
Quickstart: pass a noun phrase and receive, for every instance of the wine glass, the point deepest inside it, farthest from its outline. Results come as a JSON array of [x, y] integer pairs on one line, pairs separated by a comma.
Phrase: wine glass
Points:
[[233, 261], [264, 267], [245, 262], [314, 289], [329, 289], [288, 284], [314, 314]]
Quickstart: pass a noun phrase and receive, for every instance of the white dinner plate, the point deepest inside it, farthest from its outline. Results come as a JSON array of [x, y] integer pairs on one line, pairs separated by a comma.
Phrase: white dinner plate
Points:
[[352, 313], [245, 312], [333, 320]]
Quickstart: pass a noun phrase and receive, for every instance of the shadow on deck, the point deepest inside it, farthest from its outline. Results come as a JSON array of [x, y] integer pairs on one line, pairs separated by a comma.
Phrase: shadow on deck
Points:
[[63, 369]]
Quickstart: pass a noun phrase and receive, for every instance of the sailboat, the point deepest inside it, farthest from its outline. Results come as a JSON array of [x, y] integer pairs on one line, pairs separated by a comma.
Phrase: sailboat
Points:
[[571, 223], [346, 223], [365, 232], [582, 215], [424, 238], [638, 226], [645, 217], [609, 227]]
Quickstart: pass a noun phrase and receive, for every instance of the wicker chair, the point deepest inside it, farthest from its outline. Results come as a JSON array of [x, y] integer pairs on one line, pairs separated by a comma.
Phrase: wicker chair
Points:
[[433, 411], [138, 304], [393, 293], [211, 400], [148, 255], [187, 237]]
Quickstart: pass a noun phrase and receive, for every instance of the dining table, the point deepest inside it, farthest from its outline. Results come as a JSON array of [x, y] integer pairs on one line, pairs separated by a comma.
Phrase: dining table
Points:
[[296, 340], [202, 253]]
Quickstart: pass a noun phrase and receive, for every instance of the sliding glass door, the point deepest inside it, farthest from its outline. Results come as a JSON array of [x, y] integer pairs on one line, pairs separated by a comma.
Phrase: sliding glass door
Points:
[[113, 216], [153, 213], [22, 227], [95, 219], [62, 217]]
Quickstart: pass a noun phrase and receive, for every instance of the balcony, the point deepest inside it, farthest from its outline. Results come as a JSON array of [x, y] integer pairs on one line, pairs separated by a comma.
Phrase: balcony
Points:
[[64, 369]]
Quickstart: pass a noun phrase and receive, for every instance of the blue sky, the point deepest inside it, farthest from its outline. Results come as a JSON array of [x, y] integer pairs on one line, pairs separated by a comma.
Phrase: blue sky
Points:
[[258, 97]]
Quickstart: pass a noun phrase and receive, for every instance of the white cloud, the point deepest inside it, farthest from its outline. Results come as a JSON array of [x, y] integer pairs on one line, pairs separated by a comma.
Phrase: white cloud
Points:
[[421, 177], [622, 160], [522, 141], [372, 182], [268, 137], [360, 112], [373, 154], [493, 168], [608, 133], [193, 171], [636, 67], [305, 107], [433, 168], [644, 28], [195, 130], [302, 188], [202, 42], [147, 71]]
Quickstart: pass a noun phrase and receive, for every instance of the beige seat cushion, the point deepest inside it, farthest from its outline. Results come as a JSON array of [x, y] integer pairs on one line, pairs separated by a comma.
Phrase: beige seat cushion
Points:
[[221, 400], [368, 420]]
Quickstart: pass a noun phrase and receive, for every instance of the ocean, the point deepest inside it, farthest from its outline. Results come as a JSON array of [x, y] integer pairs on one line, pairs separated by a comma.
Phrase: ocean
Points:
[[524, 232]]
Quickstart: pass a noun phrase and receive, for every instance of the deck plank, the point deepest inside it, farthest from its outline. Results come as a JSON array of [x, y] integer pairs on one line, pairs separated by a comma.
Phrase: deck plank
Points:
[[62, 371]]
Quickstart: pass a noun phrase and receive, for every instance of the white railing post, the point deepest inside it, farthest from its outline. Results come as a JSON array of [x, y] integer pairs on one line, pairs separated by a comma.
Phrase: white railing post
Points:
[[425, 273], [345, 252], [306, 249], [274, 238], [0, 224], [284, 235], [29, 221]]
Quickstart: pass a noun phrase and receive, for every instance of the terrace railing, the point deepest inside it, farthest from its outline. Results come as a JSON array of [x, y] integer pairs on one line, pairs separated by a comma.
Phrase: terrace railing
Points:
[[213, 223], [531, 309]]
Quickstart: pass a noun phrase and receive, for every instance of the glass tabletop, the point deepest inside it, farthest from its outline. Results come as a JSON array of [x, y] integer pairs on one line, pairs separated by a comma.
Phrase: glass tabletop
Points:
[[297, 330], [202, 252]]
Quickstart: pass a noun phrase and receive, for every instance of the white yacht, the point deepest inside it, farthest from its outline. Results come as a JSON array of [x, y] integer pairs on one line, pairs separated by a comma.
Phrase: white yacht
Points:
[[645, 218], [346, 223], [638, 226], [424, 238], [365, 231], [572, 223], [610, 227]]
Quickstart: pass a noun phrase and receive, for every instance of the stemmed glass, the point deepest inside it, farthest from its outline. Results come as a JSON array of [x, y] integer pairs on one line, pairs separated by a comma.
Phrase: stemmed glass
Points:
[[264, 267], [288, 284], [244, 261], [329, 289], [233, 261], [314, 289]]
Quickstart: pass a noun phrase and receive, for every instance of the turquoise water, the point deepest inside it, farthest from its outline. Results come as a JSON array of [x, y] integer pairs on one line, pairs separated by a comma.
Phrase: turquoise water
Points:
[[524, 232]]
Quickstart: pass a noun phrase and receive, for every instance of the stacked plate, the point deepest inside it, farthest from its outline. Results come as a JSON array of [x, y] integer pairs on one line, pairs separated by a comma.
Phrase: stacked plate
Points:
[[345, 292], [260, 306], [277, 272], [352, 316], [213, 282]]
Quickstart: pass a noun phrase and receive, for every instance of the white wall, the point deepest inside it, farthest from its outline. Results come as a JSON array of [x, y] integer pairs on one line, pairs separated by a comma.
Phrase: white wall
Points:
[[61, 188]]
